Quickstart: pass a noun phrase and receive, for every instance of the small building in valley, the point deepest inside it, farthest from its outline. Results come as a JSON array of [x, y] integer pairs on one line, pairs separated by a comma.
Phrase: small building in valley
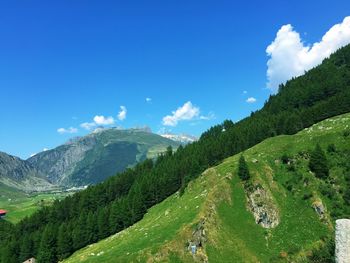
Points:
[[2, 213], [31, 260]]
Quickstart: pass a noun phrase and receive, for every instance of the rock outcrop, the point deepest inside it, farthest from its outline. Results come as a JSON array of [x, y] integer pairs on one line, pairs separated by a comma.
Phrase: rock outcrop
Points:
[[342, 241], [265, 211], [319, 208]]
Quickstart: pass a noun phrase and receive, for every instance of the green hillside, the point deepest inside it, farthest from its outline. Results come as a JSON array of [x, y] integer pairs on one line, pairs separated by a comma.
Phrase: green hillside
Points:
[[20, 204], [214, 211], [54, 233], [114, 151]]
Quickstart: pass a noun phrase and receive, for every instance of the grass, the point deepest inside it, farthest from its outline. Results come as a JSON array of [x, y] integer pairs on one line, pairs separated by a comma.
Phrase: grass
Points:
[[219, 198], [19, 204]]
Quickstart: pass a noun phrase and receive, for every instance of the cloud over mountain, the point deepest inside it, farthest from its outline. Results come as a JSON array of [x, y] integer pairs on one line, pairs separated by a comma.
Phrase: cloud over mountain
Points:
[[185, 112], [291, 57]]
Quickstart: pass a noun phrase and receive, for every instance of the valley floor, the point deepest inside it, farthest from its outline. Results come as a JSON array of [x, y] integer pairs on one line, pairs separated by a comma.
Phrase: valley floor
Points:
[[20, 205]]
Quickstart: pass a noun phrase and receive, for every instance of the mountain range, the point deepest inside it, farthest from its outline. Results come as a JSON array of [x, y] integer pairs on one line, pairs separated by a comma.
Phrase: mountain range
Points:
[[267, 188], [83, 160]]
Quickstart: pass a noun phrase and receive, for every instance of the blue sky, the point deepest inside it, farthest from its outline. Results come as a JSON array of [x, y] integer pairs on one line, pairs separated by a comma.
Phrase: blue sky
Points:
[[62, 63]]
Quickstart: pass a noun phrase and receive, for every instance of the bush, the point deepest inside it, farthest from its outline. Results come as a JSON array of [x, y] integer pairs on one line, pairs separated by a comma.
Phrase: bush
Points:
[[243, 171], [325, 253], [307, 196], [331, 148], [318, 163], [327, 191], [285, 159]]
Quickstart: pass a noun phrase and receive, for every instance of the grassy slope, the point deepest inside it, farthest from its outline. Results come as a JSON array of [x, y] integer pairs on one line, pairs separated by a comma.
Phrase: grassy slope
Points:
[[19, 204], [219, 198]]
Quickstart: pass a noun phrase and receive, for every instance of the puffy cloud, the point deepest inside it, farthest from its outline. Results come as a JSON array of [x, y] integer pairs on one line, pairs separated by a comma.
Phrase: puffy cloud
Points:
[[186, 112], [251, 100], [148, 100], [122, 113], [102, 120], [69, 130], [290, 57]]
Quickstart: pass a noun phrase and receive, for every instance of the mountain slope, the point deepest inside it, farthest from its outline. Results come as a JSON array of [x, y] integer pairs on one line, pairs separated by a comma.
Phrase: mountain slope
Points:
[[123, 200], [285, 214], [19, 174], [99, 155]]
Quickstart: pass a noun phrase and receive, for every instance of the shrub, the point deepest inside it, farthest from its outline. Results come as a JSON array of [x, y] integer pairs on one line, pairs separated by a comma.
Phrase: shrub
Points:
[[243, 171], [318, 163]]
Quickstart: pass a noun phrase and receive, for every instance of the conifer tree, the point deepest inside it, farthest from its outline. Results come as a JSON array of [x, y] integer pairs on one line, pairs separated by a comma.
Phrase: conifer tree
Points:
[[79, 235], [47, 253], [318, 163], [243, 171], [91, 227], [26, 249], [64, 242], [103, 223]]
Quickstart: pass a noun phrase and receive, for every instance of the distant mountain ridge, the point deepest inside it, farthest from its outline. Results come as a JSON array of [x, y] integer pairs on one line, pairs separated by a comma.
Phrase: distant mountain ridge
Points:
[[83, 160], [183, 138], [20, 174]]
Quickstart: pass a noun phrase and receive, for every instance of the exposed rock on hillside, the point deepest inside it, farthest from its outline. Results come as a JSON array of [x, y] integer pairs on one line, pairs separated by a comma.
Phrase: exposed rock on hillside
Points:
[[342, 241], [261, 204]]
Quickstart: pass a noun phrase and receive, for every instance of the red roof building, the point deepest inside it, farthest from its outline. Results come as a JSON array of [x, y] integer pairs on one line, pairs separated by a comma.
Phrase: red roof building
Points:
[[2, 212]]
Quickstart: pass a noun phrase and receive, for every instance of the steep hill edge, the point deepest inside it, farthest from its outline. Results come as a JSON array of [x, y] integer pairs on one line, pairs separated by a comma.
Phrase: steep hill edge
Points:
[[215, 214]]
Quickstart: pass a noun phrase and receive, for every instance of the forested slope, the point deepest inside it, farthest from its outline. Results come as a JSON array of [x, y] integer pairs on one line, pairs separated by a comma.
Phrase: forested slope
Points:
[[123, 200], [279, 211]]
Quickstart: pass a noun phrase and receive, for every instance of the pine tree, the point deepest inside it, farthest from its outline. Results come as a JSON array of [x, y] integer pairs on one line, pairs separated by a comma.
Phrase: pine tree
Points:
[[243, 171], [103, 223], [47, 253], [64, 242], [26, 250], [318, 163], [79, 234], [9, 254], [115, 218], [91, 227]]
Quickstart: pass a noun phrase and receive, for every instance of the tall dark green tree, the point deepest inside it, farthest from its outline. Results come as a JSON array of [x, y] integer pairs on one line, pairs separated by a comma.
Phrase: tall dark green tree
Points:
[[64, 242], [318, 163], [9, 252], [47, 250], [91, 227], [79, 234], [26, 251], [103, 223], [243, 170]]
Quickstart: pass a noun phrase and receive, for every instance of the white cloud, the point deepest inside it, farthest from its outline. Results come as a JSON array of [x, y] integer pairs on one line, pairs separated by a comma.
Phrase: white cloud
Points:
[[148, 100], [88, 125], [251, 100], [122, 113], [290, 57], [69, 130], [102, 120], [99, 120], [186, 112], [45, 149], [208, 117]]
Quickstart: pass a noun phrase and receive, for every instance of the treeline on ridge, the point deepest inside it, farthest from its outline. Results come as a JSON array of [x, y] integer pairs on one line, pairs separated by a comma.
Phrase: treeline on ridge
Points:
[[53, 233]]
